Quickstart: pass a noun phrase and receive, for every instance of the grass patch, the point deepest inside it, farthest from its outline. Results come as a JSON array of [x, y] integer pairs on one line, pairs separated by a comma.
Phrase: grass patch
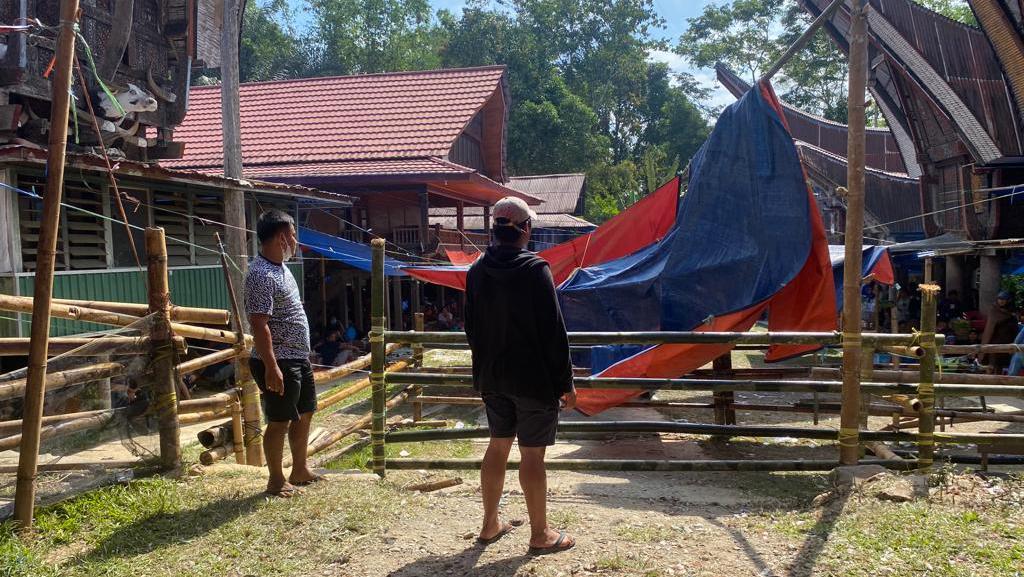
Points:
[[564, 518], [439, 358], [629, 563], [426, 450], [218, 524], [645, 533]]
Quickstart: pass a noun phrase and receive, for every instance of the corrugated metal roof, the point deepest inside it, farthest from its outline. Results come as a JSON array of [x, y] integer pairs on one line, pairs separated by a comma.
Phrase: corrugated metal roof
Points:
[[560, 192], [374, 116], [889, 197], [881, 148]]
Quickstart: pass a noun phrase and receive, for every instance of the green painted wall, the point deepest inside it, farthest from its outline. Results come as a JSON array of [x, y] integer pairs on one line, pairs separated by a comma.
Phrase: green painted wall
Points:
[[190, 286]]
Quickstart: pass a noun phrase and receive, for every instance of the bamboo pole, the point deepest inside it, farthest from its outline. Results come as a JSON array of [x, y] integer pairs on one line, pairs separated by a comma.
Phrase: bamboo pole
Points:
[[377, 326], [197, 417], [237, 432], [651, 465], [164, 378], [253, 432], [881, 451], [894, 321], [59, 430], [180, 314], [722, 368], [218, 453], [417, 359], [342, 371], [429, 486], [433, 339], [991, 348], [63, 379], [356, 387], [888, 376], [77, 466], [849, 444], [80, 346], [215, 435], [14, 426], [24, 305], [24, 499], [200, 363], [926, 389], [915, 351], [802, 40], [215, 402]]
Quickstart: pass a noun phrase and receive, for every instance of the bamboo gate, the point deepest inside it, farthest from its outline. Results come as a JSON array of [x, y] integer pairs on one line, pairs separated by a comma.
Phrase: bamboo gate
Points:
[[910, 397]]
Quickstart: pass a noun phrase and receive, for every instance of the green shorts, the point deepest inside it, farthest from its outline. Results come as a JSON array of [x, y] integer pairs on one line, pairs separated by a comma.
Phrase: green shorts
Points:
[[299, 390]]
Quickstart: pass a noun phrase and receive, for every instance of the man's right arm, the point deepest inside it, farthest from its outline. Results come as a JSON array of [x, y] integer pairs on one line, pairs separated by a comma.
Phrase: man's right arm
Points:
[[265, 348]]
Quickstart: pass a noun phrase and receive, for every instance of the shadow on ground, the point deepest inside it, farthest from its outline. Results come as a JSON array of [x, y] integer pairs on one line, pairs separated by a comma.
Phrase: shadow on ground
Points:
[[462, 563]]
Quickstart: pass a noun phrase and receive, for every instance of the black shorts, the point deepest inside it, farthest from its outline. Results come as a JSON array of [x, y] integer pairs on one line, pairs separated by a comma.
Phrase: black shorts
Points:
[[299, 390], [532, 420]]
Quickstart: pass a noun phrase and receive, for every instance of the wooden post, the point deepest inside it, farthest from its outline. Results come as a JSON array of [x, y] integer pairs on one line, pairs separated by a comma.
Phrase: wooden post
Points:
[[722, 368], [164, 375], [323, 293], [417, 359], [234, 198], [396, 303], [24, 496], [253, 437], [460, 223], [849, 421], [894, 321], [926, 388], [238, 432], [357, 301], [343, 312], [416, 300], [929, 270], [377, 282]]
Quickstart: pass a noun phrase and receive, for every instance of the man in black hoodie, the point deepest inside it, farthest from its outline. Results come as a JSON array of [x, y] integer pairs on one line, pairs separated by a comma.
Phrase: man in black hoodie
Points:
[[521, 368]]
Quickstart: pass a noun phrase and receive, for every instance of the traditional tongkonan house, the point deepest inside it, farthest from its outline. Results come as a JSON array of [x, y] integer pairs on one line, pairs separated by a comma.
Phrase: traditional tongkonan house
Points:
[[143, 52], [399, 143], [952, 95], [892, 197]]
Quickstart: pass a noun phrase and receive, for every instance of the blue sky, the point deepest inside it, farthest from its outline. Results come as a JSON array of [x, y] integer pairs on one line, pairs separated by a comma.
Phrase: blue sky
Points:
[[675, 13]]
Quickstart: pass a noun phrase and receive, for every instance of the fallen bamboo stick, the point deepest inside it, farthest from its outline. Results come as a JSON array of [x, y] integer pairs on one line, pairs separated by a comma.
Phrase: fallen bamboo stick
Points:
[[356, 387], [346, 450], [360, 423], [881, 451], [435, 485], [60, 430], [24, 305], [218, 453], [64, 379], [77, 466], [178, 313], [215, 435], [904, 377], [907, 402], [348, 368]]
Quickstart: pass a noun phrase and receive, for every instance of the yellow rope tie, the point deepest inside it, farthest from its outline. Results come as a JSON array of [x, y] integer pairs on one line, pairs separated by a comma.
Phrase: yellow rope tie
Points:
[[926, 439], [849, 437], [376, 338], [852, 338]]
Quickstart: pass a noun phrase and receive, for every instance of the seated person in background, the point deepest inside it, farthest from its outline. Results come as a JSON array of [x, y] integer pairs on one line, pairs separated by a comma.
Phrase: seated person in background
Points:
[[329, 349], [445, 319], [351, 334], [1000, 328]]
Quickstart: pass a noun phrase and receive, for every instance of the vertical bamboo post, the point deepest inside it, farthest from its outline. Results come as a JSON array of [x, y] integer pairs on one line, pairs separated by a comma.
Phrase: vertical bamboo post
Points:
[[25, 492], [237, 432], [253, 428], [377, 320], [357, 301], [323, 294], [849, 438], [396, 303], [894, 322], [417, 359], [722, 368], [926, 389], [867, 374], [164, 375], [876, 315]]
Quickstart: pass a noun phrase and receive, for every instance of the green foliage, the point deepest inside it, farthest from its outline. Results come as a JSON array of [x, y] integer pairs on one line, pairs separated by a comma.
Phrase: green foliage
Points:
[[269, 48], [1014, 284], [958, 10], [611, 187]]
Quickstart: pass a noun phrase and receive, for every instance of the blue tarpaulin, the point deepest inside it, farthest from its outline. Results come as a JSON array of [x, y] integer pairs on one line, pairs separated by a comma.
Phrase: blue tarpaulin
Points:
[[351, 253], [743, 231], [837, 253]]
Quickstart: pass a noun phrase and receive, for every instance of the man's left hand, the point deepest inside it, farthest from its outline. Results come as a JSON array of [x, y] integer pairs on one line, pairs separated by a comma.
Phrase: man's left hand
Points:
[[569, 400]]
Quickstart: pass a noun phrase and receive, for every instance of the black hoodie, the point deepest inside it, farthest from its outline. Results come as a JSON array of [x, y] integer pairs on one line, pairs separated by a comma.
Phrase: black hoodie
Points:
[[515, 327]]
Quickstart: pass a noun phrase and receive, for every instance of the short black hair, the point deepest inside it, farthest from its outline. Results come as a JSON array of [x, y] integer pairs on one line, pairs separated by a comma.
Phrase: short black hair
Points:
[[271, 223], [508, 232]]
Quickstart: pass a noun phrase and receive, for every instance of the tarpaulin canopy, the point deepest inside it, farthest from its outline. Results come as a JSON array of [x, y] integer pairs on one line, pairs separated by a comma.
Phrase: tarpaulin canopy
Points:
[[351, 253], [638, 226], [875, 262], [747, 239]]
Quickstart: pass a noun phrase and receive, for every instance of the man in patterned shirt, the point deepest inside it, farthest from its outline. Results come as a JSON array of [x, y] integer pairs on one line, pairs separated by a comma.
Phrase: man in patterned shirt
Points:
[[280, 358]]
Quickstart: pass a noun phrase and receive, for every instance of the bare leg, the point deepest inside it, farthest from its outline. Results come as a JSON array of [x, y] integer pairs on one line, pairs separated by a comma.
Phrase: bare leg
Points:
[[534, 481], [298, 440], [273, 449], [492, 482]]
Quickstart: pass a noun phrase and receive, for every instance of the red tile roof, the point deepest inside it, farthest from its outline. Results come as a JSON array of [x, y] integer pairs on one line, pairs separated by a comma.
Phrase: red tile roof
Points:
[[376, 116], [433, 167]]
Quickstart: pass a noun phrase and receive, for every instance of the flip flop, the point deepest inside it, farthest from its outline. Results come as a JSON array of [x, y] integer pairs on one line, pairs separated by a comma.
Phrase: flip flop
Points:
[[557, 547], [308, 482], [285, 492], [506, 528]]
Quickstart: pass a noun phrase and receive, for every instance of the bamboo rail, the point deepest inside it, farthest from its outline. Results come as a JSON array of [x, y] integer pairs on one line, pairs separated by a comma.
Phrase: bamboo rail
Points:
[[331, 399], [24, 305], [77, 466], [213, 402], [203, 416], [112, 345], [60, 429], [653, 465], [991, 348], [682, 337], [200, 363], [348, 368], [178, 313], [14, 426], [889, 376], [64, 379]]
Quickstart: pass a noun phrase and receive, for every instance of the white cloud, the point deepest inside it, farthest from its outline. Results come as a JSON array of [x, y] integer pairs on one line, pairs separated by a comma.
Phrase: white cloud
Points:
[[719, 95]]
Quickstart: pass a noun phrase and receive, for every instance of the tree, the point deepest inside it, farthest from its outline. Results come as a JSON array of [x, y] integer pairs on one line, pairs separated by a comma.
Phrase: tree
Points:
[[958, 10], [610, 188], [269, 48]]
